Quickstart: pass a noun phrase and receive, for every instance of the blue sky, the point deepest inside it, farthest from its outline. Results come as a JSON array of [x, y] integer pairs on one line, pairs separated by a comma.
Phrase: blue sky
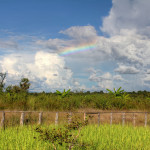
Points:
[[33, 33], [48, 17]]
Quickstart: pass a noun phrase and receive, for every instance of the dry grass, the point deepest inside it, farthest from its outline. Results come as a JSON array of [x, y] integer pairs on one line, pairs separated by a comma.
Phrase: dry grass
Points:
[[31, 118]]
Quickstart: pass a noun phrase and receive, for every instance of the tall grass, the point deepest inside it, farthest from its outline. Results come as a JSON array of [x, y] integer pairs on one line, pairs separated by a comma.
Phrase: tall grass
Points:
[[103, 137], [116, 137]]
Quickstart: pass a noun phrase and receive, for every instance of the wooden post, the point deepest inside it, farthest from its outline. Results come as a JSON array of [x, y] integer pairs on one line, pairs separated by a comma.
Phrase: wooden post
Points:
[[3, 120], [110, 118], [145, 119], [56, 119], [69, 117], [134, 119], [98, 119], [40, 118], [85, 116], [22, 118], [123, 119]]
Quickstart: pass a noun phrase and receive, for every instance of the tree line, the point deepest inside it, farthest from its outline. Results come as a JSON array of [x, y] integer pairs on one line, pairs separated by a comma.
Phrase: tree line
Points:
[[23, 86]]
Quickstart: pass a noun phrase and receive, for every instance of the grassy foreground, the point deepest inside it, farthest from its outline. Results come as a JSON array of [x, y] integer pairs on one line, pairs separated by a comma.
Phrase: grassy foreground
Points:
[[103, 137]]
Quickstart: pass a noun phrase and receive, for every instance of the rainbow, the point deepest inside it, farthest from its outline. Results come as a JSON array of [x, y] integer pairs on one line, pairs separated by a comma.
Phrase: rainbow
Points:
[[74, 50]]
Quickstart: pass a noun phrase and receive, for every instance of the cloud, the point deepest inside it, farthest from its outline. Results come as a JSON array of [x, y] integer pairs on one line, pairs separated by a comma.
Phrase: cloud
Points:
[[122, 69], [128, 50], [98, 78], [45, 71], [103, 80], [92, 70], [118, 78], [5, 44], [148, 71], [53, 44], [79, 36], [128, 47], [146, 80], [81, 32], [127, 14]]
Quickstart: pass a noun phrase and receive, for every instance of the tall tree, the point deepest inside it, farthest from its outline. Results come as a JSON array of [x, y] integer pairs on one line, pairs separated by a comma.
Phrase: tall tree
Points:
[[24, 84], [2, 78]]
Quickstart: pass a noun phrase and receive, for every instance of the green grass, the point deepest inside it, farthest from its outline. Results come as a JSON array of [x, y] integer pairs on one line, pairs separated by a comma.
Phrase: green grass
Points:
[[103, 137]]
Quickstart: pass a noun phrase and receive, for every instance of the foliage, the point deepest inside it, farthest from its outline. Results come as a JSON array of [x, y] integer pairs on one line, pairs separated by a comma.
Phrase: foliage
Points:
[[63, 94], [64, 135], [2, 78], [50, 101], [125, 96], [119, 93], [17, 97], [116, 92], [24, 84], [13, 89]]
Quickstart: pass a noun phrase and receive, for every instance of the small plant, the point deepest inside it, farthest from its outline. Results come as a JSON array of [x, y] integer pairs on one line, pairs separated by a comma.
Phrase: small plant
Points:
[[63, 94], [66, 136]]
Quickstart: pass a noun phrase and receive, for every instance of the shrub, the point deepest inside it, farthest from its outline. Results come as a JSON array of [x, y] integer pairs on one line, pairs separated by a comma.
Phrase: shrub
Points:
[[66, 135]]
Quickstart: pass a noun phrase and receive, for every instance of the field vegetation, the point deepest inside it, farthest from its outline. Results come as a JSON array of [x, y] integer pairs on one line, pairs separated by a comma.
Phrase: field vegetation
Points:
[[18, 97], [103, 137], [51, 101]]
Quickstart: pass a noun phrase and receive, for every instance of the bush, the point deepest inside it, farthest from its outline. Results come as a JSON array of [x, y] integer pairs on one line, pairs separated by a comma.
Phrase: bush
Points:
[[65, 136]]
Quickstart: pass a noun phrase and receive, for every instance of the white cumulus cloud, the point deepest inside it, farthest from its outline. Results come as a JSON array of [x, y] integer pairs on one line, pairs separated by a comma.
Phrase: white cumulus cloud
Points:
[[46, 71], [127, 14], [81, 32]]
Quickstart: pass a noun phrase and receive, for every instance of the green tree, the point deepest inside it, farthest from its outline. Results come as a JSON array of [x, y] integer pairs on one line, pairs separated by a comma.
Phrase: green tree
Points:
[[2, 78], [24, 84], [13, 89]]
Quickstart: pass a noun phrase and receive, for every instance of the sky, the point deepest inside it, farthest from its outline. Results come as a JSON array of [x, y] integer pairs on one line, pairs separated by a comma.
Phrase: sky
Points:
[[82, 45]]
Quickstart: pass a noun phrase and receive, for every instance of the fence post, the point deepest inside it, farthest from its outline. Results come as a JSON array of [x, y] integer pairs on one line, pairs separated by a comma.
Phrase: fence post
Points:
[[56, 119], [85, 116], [40, 118], [3, 120], [123, 119], [98, 119], [69, 117], [111, 118], [22, 118], [133, 119], [145, 119]]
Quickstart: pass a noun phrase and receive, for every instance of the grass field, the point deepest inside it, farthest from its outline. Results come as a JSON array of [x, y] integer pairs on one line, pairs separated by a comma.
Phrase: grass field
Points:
[[103, 137]]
